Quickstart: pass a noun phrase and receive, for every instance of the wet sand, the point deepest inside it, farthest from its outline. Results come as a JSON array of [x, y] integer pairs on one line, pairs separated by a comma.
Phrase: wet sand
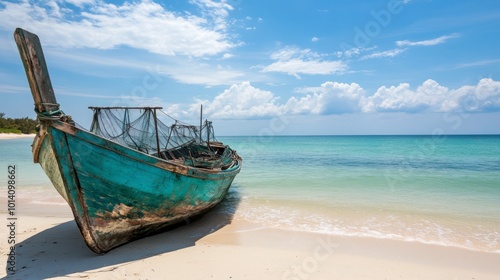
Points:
[[49, 246]]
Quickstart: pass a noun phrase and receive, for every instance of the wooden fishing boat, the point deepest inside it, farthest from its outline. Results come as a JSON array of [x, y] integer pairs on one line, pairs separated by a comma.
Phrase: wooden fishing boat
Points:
[[124, 184]]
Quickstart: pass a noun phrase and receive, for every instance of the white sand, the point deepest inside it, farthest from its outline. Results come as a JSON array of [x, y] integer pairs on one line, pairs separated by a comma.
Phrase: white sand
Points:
[[14, 136], [49, 246]]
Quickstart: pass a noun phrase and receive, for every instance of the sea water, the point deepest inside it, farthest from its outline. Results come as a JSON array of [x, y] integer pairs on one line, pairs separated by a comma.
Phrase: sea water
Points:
[[441, 190], [433, 189], [32, 185]]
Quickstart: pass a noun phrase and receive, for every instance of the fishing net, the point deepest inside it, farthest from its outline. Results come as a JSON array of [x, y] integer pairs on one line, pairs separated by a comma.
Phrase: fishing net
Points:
[[142, 129]]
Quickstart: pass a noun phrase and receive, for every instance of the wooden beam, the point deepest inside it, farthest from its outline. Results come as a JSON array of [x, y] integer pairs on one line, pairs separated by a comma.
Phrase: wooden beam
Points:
[[37, 73]]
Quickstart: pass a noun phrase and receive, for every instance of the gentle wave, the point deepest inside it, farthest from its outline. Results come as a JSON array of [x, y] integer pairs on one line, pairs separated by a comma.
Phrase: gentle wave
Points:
[[442, 191], [384, 225]]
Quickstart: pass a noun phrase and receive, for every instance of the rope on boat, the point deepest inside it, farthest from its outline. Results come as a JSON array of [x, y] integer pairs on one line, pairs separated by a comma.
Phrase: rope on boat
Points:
[[53, 115]]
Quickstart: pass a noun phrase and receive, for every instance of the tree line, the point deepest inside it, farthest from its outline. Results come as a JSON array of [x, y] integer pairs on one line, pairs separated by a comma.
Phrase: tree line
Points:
[[20, 125]]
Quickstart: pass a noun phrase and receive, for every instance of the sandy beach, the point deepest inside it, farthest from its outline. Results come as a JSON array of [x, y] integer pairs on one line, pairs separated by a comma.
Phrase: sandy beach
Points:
[[49, 246], [245, 238], [14, 136], [313, 140]]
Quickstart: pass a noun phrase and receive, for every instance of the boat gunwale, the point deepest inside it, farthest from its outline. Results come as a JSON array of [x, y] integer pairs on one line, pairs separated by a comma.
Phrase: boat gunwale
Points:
[[146, 158], [72, 184], [55, 148]]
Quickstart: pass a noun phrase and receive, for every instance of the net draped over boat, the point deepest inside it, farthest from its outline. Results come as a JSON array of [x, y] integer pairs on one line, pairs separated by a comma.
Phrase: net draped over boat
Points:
[[141, 129]]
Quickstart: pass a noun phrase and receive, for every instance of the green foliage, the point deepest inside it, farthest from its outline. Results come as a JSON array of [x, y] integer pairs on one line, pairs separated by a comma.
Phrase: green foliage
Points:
[[21, 125]]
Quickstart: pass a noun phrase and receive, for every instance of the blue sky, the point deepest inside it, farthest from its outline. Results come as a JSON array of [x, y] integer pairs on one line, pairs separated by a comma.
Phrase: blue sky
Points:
[[268, 67]]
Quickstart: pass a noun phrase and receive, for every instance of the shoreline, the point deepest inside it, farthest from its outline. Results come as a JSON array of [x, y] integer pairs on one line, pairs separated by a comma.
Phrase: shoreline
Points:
[[333, 230], [5, 136], [49, 246]]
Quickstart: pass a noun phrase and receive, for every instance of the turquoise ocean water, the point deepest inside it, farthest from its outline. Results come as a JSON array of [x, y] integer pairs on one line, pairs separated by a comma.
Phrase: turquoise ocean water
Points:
[[439, 190]]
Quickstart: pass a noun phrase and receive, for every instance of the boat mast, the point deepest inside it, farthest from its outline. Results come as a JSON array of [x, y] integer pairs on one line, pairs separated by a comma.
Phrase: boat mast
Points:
[[156, 130], [208, 134], [201, 121]]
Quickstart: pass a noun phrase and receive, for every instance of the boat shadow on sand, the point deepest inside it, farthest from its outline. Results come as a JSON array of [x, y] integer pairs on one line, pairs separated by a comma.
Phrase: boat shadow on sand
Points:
[[60, 250]]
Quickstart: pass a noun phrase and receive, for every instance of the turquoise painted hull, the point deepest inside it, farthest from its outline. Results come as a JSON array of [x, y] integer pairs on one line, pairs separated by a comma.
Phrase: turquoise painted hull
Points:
[[118, 194]]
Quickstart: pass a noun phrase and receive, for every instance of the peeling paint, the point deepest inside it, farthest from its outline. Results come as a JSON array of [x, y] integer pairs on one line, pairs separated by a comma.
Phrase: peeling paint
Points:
[[116, 194]]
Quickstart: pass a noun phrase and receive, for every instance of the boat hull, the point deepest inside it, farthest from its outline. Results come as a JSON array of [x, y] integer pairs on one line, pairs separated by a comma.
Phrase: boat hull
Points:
[[118, 194]]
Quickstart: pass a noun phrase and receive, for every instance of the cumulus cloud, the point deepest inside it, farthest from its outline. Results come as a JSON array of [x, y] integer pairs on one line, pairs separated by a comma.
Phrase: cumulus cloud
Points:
[[246, 101], [430, 96], [484, 97], [241, 101], [295, 61], [329, 98], [140, 24], [402, 98]]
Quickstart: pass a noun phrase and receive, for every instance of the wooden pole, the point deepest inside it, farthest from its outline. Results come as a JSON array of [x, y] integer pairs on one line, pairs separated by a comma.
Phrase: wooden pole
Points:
[[156, 129], [201, 121], [208, 134]]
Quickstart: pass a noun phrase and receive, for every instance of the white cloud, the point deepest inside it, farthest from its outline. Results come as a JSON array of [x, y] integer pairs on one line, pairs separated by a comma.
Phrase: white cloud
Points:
[[13, 89], [389, 53], [484, 97], [478, 63], [311, 67], [430, 96], [182, 70], [142, 25], [348, 53], [329, 98], [294, 61], [217, 11], [402, 99], [431, 42], [397, 51], [241, 101], [246, 101], [204, 74], [81, 3], [315, 39]]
